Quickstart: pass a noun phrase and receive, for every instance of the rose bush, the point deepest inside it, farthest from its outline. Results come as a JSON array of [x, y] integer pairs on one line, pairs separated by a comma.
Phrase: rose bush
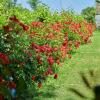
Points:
[[30, 53]]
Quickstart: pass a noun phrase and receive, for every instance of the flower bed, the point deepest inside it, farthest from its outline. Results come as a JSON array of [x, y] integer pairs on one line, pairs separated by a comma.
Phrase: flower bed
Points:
[[31, 53]]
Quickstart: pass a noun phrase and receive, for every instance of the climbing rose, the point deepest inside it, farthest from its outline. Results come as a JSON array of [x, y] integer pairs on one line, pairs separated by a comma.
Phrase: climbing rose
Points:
[[25, 27], [58, 61], [12, 85], [50, 60], [1, 79], [50, 71], [36, 24], [4, 58], [14, 19], [7, 28], [39, 59], [32, 34], [55, 76], [33, 77], [55, 49], [77, 44]]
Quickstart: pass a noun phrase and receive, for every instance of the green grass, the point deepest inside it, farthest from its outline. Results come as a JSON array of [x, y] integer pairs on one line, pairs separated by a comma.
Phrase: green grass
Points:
[[87, 57]]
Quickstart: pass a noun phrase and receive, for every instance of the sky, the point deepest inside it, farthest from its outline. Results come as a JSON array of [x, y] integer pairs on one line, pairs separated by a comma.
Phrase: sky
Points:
[[57, 5]]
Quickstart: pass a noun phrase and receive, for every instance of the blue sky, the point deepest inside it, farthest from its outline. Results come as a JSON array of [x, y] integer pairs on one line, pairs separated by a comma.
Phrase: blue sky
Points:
[[56, 5]]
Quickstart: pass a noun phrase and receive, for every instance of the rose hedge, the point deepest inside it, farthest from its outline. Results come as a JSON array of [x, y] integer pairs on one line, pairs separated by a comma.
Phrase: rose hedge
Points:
[[30, 53]]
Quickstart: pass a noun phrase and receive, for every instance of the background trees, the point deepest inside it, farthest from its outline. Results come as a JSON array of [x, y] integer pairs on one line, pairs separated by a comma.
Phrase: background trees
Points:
[[34, 3], [89, 14]]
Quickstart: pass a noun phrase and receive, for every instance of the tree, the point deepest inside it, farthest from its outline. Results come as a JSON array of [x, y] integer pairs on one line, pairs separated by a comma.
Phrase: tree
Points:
[[34, 3], [98, 1], [8, 3], [89, 14]]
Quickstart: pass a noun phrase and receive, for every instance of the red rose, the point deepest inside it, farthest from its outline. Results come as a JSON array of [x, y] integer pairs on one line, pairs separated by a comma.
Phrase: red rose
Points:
[[33, 77], [14, 19], [36, 24], [58, 61], [7, 28], [65, 43], [12, 85], [4, 58], [77, 44], [46, 73], [32, 34], [55, 76], [1, 79], [50, 60], [25, 27], [50, 71], [39, 59], [55, 49]]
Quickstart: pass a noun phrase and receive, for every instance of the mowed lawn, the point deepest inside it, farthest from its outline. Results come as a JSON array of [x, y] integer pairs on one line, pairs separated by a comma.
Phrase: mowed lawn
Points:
[[87, 57]]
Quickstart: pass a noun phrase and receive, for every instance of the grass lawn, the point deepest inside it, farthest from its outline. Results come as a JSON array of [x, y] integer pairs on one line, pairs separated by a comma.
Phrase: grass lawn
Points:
[[87, 57]]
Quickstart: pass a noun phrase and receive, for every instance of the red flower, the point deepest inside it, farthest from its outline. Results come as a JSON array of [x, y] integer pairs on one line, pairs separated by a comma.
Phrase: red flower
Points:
[[65, 42], [36, 24], [70, 49], [50, 71], [7, 28], [1, 79], [58, 61], [39, 59], [12, 85], [50, 36], [33, 77], [57, 27], [86, 39], [14, 19], [34, 45], [63, 51], [32, 34], [46, 73], [80, 33], [50, 60], [28, 53], [1, 97], [39, 85], [69, 22], [25, 27], [55, 49], [4, 58], [55, 76], [77, 44], [42, 49]]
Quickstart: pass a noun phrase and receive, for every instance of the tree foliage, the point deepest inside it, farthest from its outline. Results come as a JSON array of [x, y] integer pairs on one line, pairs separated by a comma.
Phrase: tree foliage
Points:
[[33, 3], [98, 1], [89, 14], [8, 3]]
